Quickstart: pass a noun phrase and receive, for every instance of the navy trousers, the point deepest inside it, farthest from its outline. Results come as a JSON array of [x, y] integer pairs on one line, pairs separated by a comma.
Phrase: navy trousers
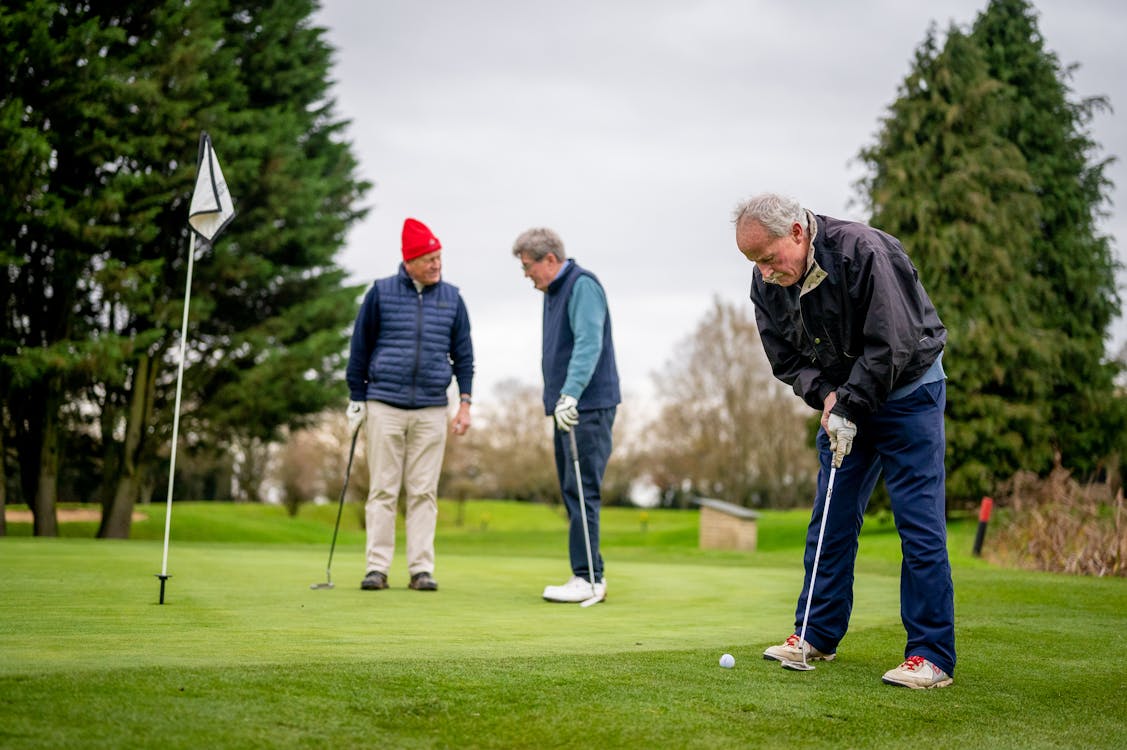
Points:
[[905, 440], [593, 438]]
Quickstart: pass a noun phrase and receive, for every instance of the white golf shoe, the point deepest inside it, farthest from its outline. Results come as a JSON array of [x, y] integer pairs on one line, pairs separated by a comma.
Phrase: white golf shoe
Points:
[[788, 650], [576, 590], [918, 673]]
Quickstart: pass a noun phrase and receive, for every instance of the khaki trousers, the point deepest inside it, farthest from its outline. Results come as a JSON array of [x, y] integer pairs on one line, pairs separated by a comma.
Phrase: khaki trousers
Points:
[[405, 449]]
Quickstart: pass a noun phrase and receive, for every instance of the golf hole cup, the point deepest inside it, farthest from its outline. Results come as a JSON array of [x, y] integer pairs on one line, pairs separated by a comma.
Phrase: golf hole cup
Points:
[[727, 661]]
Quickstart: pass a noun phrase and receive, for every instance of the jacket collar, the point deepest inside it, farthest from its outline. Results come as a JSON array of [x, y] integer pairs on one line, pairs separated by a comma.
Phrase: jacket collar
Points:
[[815, 275], [406, 279], [566, 270]]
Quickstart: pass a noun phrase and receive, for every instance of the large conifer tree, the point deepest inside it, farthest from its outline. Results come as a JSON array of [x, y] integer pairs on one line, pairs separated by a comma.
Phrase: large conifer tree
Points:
[[1069, 255], [102, 113], [954, 175]]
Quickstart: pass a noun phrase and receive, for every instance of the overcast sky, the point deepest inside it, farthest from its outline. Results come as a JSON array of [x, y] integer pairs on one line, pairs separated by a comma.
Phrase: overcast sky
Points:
[[633, 128]]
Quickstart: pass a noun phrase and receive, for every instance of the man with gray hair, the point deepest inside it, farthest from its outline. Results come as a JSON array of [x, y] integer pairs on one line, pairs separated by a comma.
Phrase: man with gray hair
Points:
[[846, 323], [581, 393]]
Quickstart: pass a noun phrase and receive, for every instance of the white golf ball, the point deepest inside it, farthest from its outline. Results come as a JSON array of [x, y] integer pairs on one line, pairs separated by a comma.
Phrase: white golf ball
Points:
[[727, 661]]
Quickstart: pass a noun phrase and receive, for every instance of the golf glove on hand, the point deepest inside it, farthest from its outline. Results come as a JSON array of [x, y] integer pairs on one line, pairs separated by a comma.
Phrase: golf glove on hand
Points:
[[567, 413], [357, 410], [841, 432]]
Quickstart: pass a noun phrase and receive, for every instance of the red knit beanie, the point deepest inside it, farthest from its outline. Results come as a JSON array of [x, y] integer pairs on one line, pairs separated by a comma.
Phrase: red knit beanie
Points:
[[418, 240]]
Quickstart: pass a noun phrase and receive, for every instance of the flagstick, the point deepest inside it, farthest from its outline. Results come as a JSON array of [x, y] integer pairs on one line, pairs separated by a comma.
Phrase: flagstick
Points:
[[176, 414]]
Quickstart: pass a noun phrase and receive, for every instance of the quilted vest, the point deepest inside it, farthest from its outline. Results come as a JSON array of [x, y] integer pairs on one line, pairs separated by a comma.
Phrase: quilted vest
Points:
[[410, 365], [602, 391]]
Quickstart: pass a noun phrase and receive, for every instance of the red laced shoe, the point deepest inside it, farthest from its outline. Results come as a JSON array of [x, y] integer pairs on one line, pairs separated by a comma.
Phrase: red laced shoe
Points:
[[788, 650], [918, 673]]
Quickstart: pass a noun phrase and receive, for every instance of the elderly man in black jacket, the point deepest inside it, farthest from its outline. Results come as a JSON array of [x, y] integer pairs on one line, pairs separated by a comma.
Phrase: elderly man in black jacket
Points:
[[845, 321]]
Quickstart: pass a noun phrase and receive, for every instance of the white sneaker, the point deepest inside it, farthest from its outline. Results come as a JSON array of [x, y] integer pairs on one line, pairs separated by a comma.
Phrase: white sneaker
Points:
[[788, 650], [918, 673], [576, 590]]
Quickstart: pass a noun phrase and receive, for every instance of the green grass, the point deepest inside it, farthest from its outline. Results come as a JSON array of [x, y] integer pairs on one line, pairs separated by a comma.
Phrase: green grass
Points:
[[245, 655]]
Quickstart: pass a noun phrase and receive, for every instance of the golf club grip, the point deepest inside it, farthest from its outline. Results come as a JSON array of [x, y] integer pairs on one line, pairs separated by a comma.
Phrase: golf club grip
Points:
[[348, 468]]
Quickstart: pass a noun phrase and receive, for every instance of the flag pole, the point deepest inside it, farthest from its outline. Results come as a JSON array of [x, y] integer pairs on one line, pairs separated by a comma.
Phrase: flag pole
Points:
[[163, 576], [209, 212]]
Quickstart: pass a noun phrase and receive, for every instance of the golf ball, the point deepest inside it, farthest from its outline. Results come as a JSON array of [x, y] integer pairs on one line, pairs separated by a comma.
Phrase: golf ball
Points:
[[727, 661]]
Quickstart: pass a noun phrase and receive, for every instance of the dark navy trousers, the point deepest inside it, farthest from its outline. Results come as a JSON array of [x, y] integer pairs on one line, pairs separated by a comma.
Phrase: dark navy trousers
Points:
[[593, 438], [904, 439]]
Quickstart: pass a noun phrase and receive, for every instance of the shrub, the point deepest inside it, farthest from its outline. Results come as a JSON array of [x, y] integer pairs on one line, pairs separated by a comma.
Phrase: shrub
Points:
[[1056, 524]]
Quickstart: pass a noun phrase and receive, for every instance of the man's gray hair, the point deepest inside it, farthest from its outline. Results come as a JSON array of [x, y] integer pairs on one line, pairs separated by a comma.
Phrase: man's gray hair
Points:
[[777, 213], [536, 243]]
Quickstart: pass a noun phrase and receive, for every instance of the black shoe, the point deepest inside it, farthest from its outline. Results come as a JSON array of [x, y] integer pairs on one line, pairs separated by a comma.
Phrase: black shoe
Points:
[[423, 582], [374, 581]]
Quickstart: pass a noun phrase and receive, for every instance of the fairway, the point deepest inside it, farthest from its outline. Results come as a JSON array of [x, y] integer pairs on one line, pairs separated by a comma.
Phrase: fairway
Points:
[[245, 654]]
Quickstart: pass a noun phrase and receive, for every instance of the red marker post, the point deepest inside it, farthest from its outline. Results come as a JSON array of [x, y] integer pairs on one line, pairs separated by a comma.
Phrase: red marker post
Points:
[[983, 519]]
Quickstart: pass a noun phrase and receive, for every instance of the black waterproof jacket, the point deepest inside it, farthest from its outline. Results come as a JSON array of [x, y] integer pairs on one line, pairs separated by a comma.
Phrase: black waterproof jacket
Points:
[[859, 322]]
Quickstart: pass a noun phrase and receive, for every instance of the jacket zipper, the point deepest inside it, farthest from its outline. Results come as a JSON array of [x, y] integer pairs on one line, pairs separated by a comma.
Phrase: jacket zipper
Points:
[[806, 330], [418, 345]]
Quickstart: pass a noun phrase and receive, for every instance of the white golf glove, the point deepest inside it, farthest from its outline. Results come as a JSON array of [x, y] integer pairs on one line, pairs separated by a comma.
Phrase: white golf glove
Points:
[[841, 432], [567, 413], [357, 410]]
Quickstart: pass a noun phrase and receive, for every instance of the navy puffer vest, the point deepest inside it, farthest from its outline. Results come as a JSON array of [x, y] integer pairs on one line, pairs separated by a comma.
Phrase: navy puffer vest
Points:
[[410, 365], [603, 390]]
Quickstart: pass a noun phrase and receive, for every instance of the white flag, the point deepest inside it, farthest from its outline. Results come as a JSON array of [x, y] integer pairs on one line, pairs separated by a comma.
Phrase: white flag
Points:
[[212, 208]]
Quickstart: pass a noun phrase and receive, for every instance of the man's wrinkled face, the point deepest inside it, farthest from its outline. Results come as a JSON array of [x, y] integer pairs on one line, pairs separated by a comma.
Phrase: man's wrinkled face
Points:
[[542, 271], [425, 269], [781, 260]]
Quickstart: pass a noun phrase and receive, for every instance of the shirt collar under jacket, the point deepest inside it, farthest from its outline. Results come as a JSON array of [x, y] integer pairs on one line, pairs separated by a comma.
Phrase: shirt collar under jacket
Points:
[[814, 273], [563, 268]]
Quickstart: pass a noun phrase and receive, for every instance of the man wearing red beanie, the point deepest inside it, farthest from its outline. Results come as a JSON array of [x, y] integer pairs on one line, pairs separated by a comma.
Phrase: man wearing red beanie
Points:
[[411, 337]]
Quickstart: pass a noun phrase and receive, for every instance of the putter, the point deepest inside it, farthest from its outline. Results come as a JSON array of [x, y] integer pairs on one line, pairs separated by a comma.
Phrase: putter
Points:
[[804, 666], [595, 598], [328, 584]]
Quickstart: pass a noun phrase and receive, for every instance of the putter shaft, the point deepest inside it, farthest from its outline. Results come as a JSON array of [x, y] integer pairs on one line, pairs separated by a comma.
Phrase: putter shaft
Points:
[[803, 666], [594, 599], [328, 584]]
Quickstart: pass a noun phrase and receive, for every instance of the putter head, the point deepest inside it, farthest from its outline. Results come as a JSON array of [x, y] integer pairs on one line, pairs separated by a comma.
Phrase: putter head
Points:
[[325, 585], [796, 666], [595, 598]]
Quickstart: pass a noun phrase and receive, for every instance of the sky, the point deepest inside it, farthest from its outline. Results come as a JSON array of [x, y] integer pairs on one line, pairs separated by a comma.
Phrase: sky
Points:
[[633, 128]]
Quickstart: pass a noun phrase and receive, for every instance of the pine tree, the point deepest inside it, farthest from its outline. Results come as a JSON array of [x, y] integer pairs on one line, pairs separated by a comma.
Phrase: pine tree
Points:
[[61, 107], [101, 121], [950, 177], [270, 312], [1069, 256]]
